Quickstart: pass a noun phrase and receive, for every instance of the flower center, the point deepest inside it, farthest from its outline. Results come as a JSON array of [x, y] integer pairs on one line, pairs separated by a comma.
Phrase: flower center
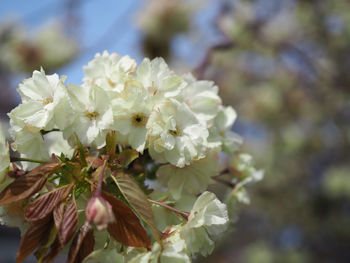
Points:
[[47, 101], [91, 115], [139, 119], [110, 82], [176, 132]]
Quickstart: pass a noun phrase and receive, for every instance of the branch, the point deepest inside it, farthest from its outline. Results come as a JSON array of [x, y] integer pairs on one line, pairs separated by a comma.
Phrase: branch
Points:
[[184, 214], [20, 159], [225, 44]]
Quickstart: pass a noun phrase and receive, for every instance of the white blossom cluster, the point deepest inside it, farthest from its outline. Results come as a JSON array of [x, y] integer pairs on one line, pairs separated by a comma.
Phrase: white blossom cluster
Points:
[[178, 120]]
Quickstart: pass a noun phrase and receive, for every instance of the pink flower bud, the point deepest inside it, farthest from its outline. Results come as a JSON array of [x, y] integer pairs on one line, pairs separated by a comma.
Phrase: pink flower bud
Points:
[[99, 212]]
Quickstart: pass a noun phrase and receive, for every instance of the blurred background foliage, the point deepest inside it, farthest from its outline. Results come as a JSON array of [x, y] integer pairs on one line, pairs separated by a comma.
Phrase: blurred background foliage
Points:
[[282, 64]]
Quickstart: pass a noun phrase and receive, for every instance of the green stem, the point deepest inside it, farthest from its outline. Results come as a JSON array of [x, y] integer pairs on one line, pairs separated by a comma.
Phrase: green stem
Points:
[[20, 159], [184, 214], [81, 151], [46, 132]]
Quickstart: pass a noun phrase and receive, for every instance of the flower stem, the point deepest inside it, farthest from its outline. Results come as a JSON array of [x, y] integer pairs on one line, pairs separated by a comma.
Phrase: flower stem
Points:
[[184, 214], [46, 132], [20, 159]]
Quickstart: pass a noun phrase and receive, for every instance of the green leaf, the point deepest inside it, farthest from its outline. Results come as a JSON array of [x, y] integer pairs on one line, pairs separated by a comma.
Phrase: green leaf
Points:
[[138, 200]]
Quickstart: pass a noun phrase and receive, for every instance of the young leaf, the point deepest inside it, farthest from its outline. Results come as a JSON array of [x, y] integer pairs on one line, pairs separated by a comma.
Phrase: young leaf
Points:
[[111, 143], [66, 222], [27, 184], [58, 213], [69, 222], [35, 235], [82, 245], [138, 200], [127, 228], [44, 205]]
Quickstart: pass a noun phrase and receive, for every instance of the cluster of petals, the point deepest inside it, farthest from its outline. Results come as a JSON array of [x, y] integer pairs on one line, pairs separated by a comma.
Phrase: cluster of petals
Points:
[[176, 118], [207, 220], [178, 121]]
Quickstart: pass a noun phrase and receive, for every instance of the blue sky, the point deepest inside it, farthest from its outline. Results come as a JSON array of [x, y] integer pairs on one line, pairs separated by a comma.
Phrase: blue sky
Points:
[[96, 19], [104, 25]]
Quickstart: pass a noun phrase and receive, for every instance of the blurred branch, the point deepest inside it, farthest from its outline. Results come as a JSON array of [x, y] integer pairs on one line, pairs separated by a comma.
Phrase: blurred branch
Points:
[[225, 44]]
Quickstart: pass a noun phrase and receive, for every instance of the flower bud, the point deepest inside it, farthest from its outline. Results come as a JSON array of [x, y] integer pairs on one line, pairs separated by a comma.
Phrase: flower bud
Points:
[[99, 212]]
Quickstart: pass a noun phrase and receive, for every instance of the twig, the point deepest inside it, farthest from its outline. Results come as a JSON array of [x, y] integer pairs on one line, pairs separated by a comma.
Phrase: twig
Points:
[[184, 214], [226, 43], [20, 159]]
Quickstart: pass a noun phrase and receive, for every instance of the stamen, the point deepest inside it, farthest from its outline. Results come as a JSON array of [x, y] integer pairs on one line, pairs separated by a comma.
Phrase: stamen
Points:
[[91, 115], [48, 101], [176, 132], [139, 119]]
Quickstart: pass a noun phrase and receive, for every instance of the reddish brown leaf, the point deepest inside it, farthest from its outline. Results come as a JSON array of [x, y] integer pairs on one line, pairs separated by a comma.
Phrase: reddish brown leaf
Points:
[[58, 212], [44, 205], [138, 200], [94, 161], [35, 235], [127, 228], [28, 184], [82, 245], [69, 222]]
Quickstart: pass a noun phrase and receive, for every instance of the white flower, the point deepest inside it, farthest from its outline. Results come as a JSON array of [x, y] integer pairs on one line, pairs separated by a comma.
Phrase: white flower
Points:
[[141, 255], [93, 114], [56, 47], [156, 77], [220, 133], [56, 144], [175, 134], [29, 145], [44, 103], [243, 163], [207, 220], [131, 113], [192, 179], [109, 71], [104, 255], [4, 155], [173, 251], [12, 215], [202, 98]]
